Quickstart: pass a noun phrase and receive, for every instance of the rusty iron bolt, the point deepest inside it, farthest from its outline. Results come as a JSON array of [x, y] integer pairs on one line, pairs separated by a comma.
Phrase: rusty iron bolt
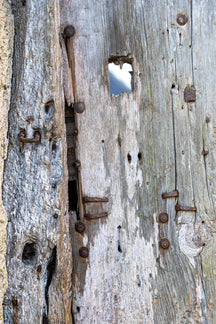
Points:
[[79, 107], [182, 19], [164, 243], [69, 31], [163, 218], [84, 252], [55, 216], [77, 164], [80, 227]]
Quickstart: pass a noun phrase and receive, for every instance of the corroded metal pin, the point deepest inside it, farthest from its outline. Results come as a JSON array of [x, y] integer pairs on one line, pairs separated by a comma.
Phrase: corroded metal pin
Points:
[[171, 194], [185, 208]]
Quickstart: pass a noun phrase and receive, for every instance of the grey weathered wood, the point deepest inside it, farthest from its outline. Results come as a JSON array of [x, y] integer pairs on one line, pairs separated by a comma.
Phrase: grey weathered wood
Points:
[[127, 277], [35, 180]]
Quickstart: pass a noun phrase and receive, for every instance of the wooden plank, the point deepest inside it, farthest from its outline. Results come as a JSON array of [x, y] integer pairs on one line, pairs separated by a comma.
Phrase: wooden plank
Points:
[[136, 280], [39, 261]]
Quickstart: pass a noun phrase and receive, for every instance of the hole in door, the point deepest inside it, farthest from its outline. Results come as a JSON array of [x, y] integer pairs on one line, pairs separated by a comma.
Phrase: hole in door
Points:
[[120, 75]]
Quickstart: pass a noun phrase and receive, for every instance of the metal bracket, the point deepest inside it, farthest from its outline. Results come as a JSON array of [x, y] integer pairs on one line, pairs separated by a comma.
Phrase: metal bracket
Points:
[[24, 139], [95, 216], [185, 208], [171, 194], [95, 200]]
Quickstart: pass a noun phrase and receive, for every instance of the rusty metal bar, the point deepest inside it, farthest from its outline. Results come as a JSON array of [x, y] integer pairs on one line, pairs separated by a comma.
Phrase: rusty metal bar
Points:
[[185, 208], [171, 194], [95, 216], [95, 199]]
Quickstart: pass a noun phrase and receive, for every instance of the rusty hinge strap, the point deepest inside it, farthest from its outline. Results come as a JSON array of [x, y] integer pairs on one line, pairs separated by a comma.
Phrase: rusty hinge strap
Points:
[[171, 194], [95, 216], [95, 199], [185, 208]]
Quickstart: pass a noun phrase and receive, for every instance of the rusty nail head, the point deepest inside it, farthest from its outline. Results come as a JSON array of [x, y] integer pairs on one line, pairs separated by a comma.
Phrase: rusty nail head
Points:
[[164, 243], [189, 94], [55, 216], [75, 132], [69, 31], [79, 107], [182, 19], [205, 153], [84, 252], [207, 119], [163, 218], [77, 164], [80, 227]]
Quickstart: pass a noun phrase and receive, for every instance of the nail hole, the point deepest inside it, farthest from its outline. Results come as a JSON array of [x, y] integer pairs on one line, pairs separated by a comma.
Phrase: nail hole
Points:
[[29, 255], [49, 110], [129, 158], [120, 75], [54, 146], [102, 141], [78, 309], [182, 152], [173, 86], [203, 244], [203, 222], [139, 156], [182, 107], [119, 248]]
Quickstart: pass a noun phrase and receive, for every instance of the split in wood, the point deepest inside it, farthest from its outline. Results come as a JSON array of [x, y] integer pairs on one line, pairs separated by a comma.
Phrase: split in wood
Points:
[[171, 194], [95, 199], [185, 208], [95, 216]]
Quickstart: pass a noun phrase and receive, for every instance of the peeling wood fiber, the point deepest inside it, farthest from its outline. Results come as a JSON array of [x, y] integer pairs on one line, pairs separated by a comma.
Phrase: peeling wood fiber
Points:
[[6, 50]]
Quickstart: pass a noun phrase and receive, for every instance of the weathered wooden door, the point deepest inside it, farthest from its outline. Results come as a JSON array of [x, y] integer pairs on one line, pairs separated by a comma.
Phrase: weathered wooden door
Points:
[[139, 167]]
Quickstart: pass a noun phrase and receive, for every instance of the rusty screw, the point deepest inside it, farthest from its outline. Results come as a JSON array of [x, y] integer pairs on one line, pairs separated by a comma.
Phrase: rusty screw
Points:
[[181, 19], [79, 107], [80, 227], [55, 216], [77, 164], [164, 243], [163, 218], [69, 31], [83, 252]]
